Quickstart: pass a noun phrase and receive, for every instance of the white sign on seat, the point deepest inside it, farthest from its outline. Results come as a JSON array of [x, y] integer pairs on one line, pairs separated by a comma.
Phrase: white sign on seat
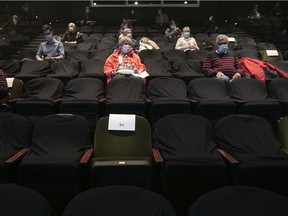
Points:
[[272, 53], [122, 122]]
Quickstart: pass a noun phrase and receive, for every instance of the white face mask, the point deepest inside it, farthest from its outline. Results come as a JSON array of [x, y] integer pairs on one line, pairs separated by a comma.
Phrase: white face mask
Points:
[[125, 48]]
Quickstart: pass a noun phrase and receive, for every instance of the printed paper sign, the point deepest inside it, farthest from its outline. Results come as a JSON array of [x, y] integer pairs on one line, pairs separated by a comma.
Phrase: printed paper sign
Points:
[[272, 52], [122, 122]]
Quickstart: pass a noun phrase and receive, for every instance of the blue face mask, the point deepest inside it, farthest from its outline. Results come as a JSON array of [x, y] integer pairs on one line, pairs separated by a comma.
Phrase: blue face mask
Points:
[[49, 37], [186, 34], [129, 35], [125, 48], [222, 48], [173, 27]]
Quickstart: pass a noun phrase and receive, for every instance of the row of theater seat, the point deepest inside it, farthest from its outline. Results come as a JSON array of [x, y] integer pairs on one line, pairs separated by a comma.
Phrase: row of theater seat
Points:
[[206, 97], [182, 156], [130, 201]]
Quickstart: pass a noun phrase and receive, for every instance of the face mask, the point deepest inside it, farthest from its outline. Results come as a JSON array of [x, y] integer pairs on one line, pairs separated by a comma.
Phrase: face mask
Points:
[[87, 11], [49, 37], [222, 48], [129, 35], [186, 34], [125, 26], [125, 48], [159, 12], [173, 27], [71, 30]]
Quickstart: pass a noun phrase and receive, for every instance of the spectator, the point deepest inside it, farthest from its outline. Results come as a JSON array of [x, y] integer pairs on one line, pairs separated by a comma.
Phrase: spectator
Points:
[[28, 16], [72, 35], [277, 10], [128, 33], [3, 86], [123, 59], [87, 19], [161, 20], [255, 14], [222, 64], [126, 23], [51, 49], [210, 26], [186, 42], [172, 32]]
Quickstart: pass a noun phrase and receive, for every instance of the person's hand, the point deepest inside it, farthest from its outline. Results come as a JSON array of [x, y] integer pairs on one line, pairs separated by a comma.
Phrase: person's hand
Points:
[[219, 74], [49, 58], [113, 73], [236, 76]]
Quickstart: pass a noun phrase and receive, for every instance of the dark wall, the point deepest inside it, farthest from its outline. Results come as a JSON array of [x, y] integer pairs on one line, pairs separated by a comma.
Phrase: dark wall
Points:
[[66, 11]]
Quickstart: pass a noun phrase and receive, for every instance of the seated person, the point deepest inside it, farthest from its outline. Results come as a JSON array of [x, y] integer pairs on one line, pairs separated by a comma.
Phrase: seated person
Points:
[[72, 36], [124, 59], [87, 19], [186, 42], [51, 49], [3, 86], [127, 32], [126, 23], [210, 26], [161, 19], [172, 31], [222, 64]]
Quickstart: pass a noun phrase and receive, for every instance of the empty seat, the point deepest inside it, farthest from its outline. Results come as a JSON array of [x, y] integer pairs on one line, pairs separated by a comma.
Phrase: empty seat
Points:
[[83, 96], [251, 96], [199, 55], [64, 70], [33, 69], [125, 95], [15, 139], [39, 98], [122, 157], [18, 200], [119, 200], [93, 68], [152, 54], [187, 69], [167, 95], [155, 68], [184, 148], [278, 90], [173, 55], [213, 102], [253, 153], [57, 163], [239, 201]]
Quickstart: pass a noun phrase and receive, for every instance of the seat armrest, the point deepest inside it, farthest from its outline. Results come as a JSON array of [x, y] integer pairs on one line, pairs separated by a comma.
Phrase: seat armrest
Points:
[[193, 100], [102, 100], [86, 156], [228, 157], [17, 156], [157, 156], [57, 101], [285, 150], [148, 100]]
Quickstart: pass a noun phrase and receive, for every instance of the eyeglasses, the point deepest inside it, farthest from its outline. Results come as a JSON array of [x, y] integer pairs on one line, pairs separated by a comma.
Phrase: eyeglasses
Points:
[[221, 43]]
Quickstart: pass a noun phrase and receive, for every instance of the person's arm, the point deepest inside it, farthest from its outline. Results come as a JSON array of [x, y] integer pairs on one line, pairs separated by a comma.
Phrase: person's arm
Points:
[[208, 68], [3, 85], [39, 54], [194, 44]]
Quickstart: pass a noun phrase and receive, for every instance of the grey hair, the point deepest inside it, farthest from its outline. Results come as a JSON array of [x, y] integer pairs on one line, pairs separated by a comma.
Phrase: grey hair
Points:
[[221, 37]]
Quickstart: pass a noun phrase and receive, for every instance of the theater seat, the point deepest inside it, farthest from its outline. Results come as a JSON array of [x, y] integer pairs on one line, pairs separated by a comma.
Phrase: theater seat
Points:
[[184, 148], [239, 201], [253, 152], [18, 200], [119, 200]]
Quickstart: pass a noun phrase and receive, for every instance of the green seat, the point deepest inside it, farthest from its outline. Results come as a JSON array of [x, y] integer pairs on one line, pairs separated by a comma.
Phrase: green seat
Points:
[[265, 57], [122, 157]]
